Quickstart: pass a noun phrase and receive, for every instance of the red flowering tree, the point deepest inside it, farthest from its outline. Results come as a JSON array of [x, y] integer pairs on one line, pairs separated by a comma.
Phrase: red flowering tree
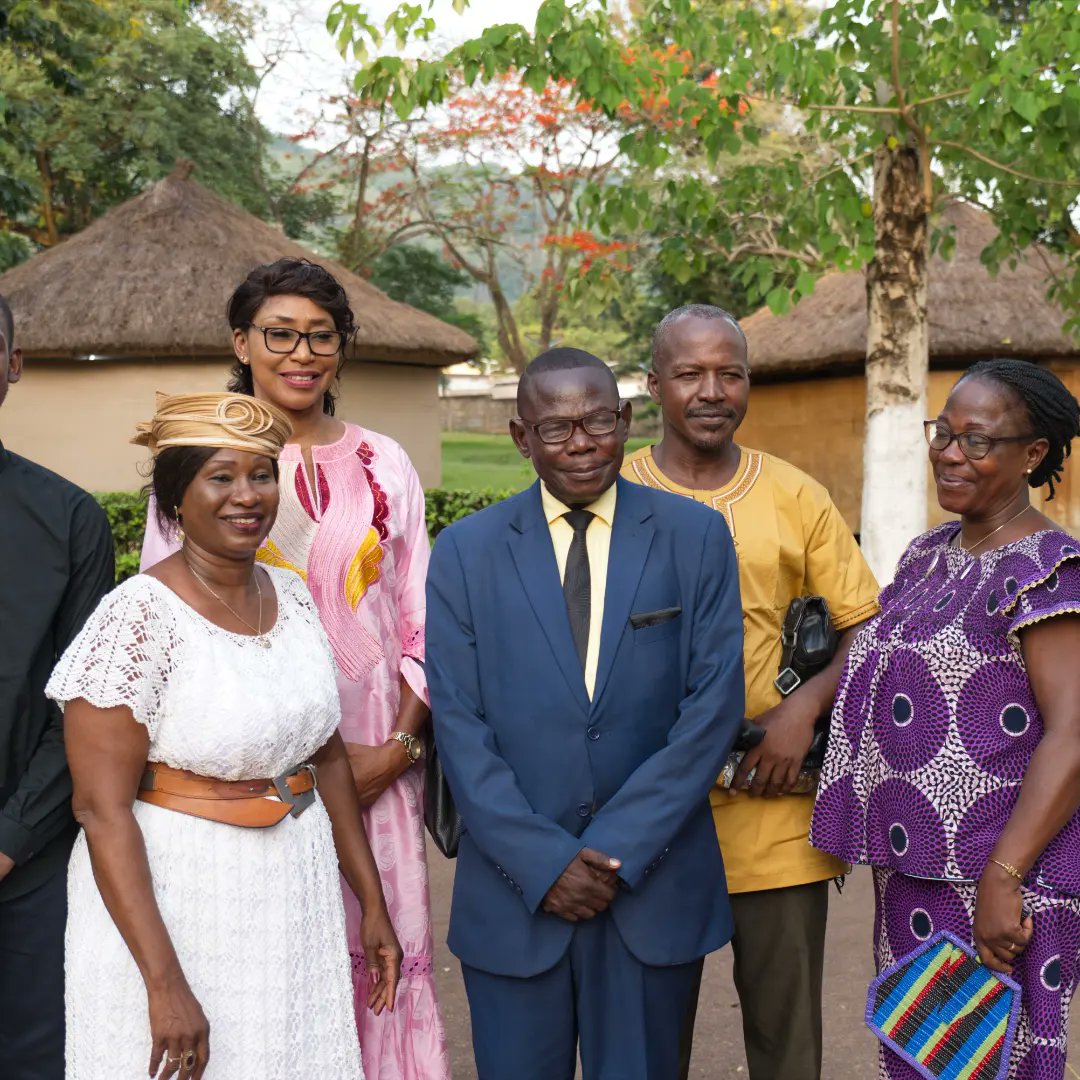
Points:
[[494, 175]]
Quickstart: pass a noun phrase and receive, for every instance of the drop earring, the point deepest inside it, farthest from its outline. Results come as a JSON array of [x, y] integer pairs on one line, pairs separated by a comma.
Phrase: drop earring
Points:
[[179, 524]]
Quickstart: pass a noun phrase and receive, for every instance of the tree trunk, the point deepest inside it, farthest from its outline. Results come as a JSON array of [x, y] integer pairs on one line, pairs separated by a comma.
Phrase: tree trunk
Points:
[[506, 327], [897, 358]]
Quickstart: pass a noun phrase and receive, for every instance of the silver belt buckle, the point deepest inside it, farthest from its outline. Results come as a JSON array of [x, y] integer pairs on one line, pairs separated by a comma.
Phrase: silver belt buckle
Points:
[[301, 802]]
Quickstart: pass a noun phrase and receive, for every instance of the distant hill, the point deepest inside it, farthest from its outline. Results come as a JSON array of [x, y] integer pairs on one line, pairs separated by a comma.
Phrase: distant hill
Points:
[[523, 259]]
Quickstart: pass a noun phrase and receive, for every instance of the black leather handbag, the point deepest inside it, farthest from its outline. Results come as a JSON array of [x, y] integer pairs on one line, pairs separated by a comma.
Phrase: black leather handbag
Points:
[[808, 642], [440, 814]]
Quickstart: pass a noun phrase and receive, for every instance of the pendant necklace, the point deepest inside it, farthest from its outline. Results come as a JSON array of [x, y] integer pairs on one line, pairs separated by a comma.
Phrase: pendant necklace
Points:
[[980, 543], [261, 641]]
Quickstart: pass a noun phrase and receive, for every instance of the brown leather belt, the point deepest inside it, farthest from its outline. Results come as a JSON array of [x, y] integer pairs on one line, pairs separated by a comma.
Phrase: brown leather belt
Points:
[[255, 804]]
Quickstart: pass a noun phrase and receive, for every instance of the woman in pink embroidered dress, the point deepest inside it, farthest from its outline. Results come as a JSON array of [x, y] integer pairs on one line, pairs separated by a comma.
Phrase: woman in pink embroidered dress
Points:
[[351, 524]]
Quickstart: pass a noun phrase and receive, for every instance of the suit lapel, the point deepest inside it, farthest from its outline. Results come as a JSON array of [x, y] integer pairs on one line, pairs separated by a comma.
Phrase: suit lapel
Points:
[[631, 538], [534, 557]]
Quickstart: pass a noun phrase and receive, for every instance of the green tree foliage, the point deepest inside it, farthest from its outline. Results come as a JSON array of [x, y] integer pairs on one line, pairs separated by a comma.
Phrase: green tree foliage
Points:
[[116, 94], [903, 102], [990, 107], [417, 276]]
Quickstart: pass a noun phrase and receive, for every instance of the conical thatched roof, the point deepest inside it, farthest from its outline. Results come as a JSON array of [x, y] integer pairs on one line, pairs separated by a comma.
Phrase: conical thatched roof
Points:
[[151, 278], [973, 315]]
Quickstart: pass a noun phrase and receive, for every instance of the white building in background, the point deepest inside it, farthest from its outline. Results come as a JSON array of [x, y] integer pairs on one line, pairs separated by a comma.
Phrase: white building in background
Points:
[[468, 380]]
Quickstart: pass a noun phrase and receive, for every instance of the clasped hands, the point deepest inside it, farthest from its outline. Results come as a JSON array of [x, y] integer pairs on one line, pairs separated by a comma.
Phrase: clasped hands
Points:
[[585, 888]]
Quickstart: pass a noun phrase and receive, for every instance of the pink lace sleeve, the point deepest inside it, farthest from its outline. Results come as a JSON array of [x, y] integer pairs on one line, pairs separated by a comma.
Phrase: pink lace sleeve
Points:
[[156, 544]]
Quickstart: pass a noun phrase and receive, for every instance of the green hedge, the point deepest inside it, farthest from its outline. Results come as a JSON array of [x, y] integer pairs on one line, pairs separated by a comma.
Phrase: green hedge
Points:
[[126, 511], [445, 507]]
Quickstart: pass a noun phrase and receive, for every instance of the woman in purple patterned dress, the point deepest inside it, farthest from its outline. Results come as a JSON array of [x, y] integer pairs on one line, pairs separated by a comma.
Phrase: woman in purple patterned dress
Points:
[[953, 766]]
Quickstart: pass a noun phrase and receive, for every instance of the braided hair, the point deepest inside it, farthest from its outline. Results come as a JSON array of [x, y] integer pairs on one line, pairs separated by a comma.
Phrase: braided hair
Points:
[[1052, 409]]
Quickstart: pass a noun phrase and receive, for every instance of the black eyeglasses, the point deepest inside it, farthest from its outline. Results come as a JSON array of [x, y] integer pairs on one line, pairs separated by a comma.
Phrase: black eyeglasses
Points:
[[600, 422], [283, 340], [973, 445]]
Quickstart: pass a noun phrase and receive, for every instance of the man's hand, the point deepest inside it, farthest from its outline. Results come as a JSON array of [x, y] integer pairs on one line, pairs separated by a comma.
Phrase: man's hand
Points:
[[585, 888], [6, 865], [789, 731]]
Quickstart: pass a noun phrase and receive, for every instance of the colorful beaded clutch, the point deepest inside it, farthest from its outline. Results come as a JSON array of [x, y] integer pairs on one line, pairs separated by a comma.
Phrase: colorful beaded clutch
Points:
[[945, 1013]]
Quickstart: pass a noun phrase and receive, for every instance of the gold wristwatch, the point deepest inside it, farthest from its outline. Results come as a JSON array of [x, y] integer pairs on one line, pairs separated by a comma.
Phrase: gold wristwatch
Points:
[[413, 746]]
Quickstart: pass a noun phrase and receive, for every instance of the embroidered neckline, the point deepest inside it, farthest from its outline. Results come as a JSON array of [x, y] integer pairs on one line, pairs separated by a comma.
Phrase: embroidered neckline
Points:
[[722, 499]]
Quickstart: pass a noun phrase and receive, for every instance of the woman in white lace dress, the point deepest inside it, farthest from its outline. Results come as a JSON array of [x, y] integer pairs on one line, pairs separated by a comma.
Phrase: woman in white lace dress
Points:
[[198, 947]]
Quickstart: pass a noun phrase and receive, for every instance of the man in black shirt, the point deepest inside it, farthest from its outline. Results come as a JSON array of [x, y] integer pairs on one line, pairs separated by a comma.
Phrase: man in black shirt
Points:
[[56, 557]]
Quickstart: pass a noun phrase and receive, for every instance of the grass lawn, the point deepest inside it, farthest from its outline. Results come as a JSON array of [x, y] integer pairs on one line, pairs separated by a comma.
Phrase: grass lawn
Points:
[[473, 462]]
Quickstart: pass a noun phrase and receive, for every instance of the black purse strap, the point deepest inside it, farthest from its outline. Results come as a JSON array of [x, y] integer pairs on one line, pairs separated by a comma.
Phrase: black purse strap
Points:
[[789, 678]]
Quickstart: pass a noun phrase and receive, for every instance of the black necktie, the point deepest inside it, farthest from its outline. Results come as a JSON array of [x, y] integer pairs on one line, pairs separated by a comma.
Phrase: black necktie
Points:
[[577, 582]]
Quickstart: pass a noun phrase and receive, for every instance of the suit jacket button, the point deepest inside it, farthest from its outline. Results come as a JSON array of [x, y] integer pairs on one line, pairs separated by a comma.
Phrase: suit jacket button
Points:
[[583, 810], [593, 733]]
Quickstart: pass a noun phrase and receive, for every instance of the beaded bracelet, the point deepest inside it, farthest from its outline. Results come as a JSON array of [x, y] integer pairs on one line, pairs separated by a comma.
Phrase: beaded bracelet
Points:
[[1009, 869]]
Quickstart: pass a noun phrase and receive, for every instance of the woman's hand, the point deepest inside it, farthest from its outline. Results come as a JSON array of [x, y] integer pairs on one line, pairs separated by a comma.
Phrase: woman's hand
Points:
[[383, 955], [375, 768], [177, 1026], [1000, 931]]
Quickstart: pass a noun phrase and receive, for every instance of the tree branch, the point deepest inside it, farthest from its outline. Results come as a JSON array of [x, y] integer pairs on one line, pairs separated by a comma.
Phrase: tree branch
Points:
[[1007, 168], [964, 92], [895, 25], [880, 110]]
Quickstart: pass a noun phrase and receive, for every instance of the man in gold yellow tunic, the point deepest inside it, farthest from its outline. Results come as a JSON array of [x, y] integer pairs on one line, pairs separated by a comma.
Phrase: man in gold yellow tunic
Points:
[[790, 541]]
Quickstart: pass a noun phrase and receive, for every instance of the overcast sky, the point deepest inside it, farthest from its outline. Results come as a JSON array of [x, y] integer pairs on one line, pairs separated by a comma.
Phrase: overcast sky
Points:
[[290, 95]]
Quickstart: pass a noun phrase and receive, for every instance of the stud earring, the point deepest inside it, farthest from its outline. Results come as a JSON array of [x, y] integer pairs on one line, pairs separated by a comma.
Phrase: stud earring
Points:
[[1027, 472]]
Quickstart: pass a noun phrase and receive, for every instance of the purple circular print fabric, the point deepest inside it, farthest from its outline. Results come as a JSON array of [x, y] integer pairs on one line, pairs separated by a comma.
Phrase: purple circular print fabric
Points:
[[910, 713], [979, 829], [936, 719], [904, 830], [914, 910], [997, 719], [907, 907], [857, 691]]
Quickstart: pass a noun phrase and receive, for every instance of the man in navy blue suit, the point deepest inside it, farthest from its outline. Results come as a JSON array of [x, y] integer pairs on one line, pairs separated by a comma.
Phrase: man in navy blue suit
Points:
[[584, 644]]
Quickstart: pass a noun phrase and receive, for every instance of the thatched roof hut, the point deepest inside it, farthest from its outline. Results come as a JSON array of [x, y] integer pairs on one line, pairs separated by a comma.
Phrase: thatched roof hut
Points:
[[973, 315], [142, 293], [809, 401], [150, 279]]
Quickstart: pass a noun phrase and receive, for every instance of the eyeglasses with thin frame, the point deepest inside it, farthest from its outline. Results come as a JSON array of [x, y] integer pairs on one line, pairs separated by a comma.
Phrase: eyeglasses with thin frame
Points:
[[973, 444], [561, 429], [284, 340]]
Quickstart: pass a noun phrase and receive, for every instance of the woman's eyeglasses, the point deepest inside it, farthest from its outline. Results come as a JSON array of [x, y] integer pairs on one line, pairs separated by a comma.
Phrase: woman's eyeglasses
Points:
[[600, 422], [283, 340], [973, 445]]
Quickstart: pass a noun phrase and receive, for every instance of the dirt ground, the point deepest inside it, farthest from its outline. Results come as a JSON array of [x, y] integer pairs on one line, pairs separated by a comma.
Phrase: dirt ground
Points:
[[850, 1049]]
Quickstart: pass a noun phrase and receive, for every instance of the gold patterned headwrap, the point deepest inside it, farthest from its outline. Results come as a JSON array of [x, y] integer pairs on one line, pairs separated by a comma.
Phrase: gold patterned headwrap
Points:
[[226, 421]]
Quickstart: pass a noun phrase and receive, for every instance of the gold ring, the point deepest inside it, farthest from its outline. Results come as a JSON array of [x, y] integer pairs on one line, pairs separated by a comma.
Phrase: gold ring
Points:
[[189, 1060]]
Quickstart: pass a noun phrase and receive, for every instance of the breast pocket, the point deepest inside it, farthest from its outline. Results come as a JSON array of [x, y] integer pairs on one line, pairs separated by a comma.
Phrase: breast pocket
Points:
[[658, 626]]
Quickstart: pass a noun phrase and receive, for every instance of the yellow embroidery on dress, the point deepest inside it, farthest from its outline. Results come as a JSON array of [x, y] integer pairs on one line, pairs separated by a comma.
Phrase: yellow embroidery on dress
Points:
[[725, 503], [364, 569], [645, 474], [270, 554]]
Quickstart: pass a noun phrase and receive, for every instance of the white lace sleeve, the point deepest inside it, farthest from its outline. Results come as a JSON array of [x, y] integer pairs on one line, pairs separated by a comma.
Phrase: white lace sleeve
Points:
[[122, 655]]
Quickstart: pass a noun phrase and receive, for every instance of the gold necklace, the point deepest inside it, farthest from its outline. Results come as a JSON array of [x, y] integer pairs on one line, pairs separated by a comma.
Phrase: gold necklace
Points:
[[980, 543], [262, 642]]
